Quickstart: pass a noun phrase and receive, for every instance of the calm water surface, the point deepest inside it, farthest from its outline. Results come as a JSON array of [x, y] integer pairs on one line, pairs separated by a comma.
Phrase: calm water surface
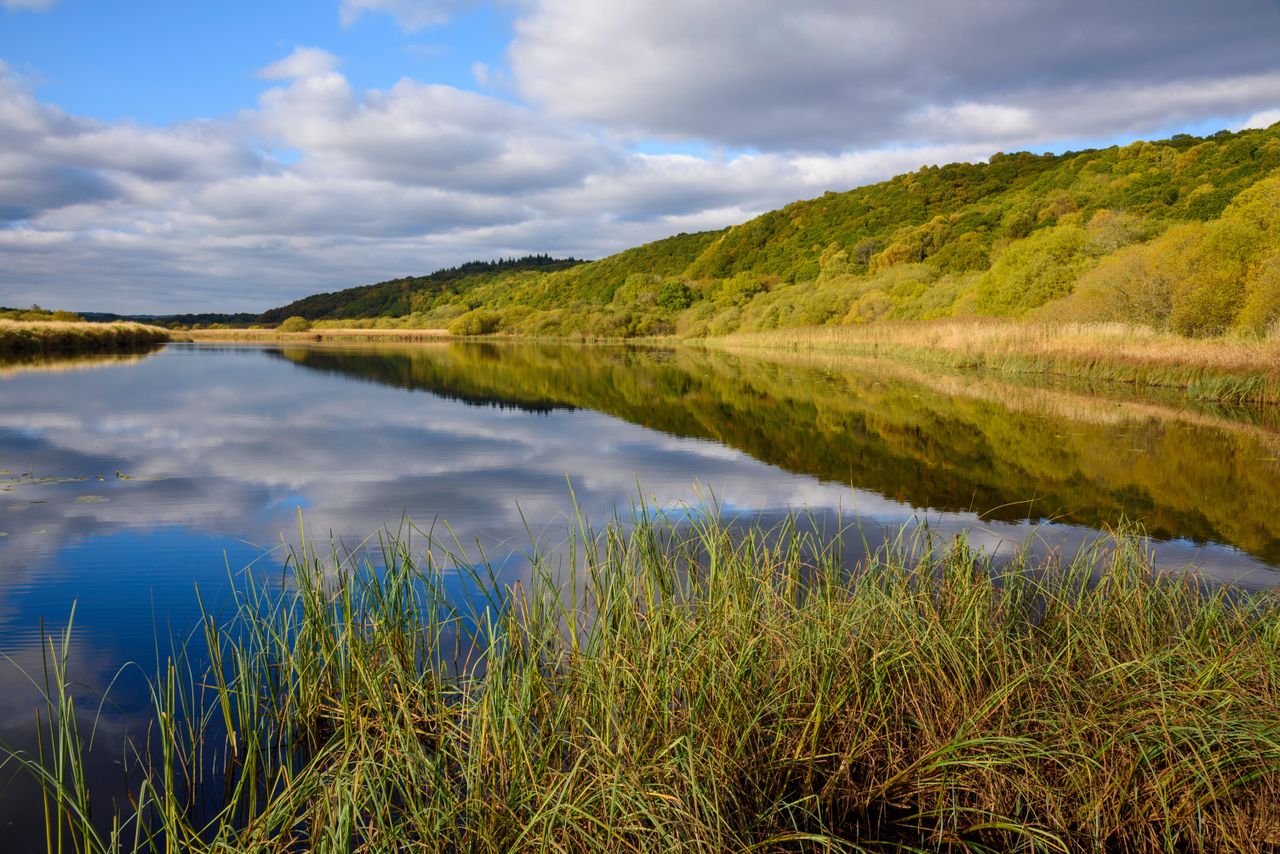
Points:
[[124, 484]]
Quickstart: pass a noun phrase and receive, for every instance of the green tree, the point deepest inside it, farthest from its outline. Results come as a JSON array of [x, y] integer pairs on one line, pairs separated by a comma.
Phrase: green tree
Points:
[[675, 295]]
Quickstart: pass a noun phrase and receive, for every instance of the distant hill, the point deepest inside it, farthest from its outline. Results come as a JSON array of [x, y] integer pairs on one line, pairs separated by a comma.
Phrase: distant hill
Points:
[[1181, 233], [201, 319], [401, 296]]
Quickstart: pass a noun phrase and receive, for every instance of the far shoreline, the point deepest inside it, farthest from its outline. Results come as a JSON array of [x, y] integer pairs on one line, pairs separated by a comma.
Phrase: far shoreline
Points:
[[276, 336], [1228, 370]]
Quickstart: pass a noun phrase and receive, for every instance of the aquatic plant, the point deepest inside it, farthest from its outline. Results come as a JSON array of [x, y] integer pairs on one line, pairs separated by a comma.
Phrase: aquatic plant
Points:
[[704, 685]]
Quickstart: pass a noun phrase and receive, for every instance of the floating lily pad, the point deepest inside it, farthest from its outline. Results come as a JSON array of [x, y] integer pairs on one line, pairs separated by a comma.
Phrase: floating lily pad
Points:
[[92, 499]]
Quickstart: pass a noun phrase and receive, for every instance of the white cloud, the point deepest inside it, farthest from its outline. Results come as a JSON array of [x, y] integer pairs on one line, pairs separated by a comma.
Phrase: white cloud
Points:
[[417, 134], [319, 186], [970, 121], [833, 76], [1264, 119], [303, 62]]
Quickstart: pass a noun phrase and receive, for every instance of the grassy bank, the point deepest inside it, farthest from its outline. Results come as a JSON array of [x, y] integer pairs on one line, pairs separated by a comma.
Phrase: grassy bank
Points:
[[1225, 370], [318, 333], [27, 338], [706, 689], [1215, 369]]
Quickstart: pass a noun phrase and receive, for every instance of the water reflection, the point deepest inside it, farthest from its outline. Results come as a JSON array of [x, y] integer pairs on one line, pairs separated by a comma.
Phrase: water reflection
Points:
[[1005, 452], [124, 487], [11, 365]]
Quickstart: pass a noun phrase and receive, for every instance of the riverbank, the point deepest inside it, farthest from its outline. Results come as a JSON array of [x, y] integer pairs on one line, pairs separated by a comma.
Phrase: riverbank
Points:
[[28, 338], [714, 688], [1223, 370], [268, 336], [1210, 369]]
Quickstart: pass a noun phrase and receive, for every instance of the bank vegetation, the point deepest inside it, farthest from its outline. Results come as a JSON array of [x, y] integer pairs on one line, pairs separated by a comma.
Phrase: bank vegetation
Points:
[[705, 687], [21, 338]]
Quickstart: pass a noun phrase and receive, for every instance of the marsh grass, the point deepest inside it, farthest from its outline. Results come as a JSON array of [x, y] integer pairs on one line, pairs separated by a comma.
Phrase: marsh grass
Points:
[[34, 338], [1216, 369], [321, 331], [704, 686]]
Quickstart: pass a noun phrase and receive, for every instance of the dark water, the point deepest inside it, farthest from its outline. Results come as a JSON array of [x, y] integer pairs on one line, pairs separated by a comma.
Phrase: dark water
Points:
[[124, 484]]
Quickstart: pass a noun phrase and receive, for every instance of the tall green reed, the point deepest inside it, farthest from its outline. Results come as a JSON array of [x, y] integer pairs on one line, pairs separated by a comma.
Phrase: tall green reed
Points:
[[699, 684]]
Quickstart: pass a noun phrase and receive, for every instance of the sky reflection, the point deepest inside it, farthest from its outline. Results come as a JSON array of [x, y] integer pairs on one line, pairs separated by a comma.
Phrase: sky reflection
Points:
[[125, 487]]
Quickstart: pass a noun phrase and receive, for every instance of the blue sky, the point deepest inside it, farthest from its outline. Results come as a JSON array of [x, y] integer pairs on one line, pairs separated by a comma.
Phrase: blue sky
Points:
[[161, 62], [233, 156]]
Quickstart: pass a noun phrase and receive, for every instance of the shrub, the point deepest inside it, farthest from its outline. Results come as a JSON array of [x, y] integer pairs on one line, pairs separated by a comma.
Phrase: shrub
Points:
[[295, 324], [478, 321], [870, 306], [1033, 271], [1262, 298]]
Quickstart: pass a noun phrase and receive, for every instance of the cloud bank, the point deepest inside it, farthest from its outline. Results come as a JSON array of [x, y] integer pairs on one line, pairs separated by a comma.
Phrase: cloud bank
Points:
[[319, 186]]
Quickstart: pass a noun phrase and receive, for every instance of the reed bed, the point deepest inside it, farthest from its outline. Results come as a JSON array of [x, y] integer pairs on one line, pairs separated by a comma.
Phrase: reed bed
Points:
[[1218, 369], [705, 687], [356, 334], [31, 337]]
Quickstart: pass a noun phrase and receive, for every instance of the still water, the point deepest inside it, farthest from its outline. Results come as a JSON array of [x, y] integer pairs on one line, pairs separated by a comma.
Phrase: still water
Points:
[[125, 484]]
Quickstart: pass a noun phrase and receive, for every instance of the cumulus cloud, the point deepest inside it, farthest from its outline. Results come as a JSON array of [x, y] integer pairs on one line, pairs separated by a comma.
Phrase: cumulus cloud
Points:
[[303, 62], [1264, 119], [831, 75], [52, 160], [319, 186], [383, 183], [425, 135]]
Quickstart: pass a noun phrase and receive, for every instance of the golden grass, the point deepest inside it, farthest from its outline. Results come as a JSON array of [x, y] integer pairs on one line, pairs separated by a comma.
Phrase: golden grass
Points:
[[321, 334], [34, 337], [1217, 368], [1058, 401]]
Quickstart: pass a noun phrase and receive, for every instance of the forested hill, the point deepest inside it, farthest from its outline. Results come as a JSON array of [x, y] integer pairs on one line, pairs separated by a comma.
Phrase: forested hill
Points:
[[1181, 233], [404, 296]]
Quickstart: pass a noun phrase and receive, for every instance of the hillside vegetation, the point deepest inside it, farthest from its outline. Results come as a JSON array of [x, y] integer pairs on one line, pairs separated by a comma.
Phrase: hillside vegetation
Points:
[[1181, 234], [411, 294]]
